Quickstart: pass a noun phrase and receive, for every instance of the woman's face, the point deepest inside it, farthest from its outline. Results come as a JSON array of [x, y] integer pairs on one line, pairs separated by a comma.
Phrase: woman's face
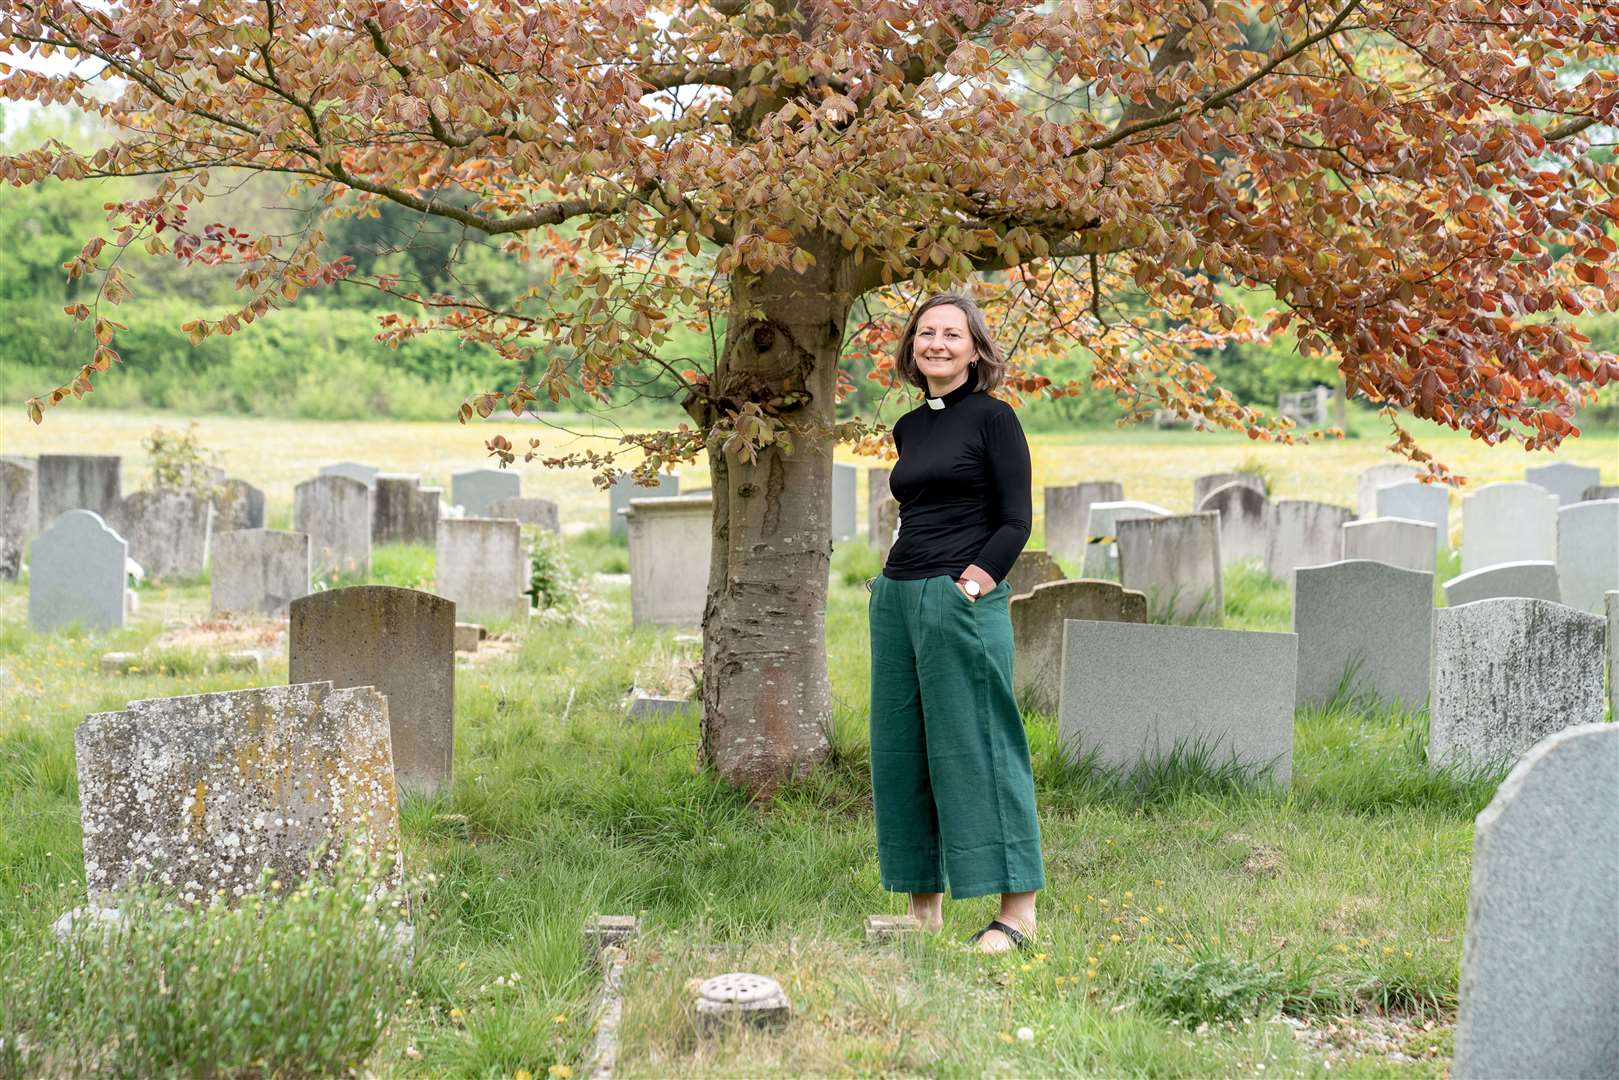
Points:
[[942, 347]]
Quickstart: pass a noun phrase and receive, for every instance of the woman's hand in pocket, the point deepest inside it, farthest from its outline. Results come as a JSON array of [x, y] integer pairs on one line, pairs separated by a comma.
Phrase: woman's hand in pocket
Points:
[[974, 573]]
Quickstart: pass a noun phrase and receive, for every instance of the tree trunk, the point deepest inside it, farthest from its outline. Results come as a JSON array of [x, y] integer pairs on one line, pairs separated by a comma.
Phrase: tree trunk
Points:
[[767, 704]]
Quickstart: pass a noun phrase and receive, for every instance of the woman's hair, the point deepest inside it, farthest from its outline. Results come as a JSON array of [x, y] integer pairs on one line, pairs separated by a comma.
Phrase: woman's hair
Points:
[[991, 367]]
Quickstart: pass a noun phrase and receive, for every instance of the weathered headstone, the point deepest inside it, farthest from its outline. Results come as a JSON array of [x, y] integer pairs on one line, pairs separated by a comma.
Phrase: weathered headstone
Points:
[[468, 635], [1597, 492], [1531, 579], [400, 641], [238, 505], [1610, 603], [625, 489], [1396, 541], [845, 478], [1588, 552], [671, 541], [402, 511], [78, 482], [258, 570], [1564, 479], [354, 470], [483, 566], [885, 518], [1503, 523], [169, 531], [1034, 567], [19, 512], [335, 512], [1304, 533], [77, 574], [1416, 501], [541, 512], [1539, 992], [1175, 562], [1365, 628], [1207, 484], [1101, 534], [1244, 522], [1037, 619], [876, 492], [1140, 693], [475, 489], [1068, 510], [200, 794], [644, 706], [1306, 408], [1507, 673], [1386, 474]]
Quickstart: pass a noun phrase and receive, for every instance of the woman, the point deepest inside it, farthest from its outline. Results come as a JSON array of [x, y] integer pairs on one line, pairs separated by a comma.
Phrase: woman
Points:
[[950, 773]]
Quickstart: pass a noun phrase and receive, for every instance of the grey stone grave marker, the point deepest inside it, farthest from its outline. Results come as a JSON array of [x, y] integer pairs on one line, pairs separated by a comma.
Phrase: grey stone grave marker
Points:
[[1396, 541], [1037, 621], [1209, 483], [625, 489], [400, 641], [169, 531], [1304, 533], [1610, 603], [259, 570], [885, 516], [1101, 534], [483, 566], [402, 511], [1416, 501], [1244, 522], [1034, 567], [1306, 408], [335, 512], [1539, 992], [876, 492], [1507, 673], [671, 542], [539, 512], [1386, 474], [1564, 479], [19, 512], [1137, 693], [1365, 627], [1598, 492], [1068, 510], [1175, 562], [77, 574], [1504, 523], [473, 490], [1588, 552], [238, 505], [354, 470], [1532, 579], [845, 478], [78, 482]]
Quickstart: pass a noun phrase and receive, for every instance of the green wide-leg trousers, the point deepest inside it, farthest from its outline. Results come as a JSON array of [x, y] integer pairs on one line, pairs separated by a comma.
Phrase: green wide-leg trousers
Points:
[[950, 775]]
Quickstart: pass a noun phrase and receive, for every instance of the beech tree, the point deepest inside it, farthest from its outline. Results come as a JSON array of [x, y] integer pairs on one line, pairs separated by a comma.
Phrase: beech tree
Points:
[[1414, 183]]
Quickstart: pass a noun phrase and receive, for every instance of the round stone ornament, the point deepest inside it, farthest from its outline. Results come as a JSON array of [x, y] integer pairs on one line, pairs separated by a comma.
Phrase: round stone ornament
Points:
[[741, 997]]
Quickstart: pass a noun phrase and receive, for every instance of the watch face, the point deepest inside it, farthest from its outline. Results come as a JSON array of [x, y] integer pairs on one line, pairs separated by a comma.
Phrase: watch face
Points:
[[972, 588]]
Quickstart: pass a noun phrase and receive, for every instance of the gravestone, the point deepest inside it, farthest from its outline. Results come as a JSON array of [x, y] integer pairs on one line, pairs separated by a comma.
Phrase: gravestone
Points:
[[539, 512], [1598, 492], [198, 795], [335, 512], [844, 480], [77, 574], [1304, 533], [168, 531], [1504, 523], [1068, 510], [1564, 479], [1209, 483], [238, 505], [1366, 628], [402, 511], [473, 490], [671, 542], [78, 482], [1034, 567], [400, 641], [1610, 603], [258, 570], [1306, 408], [1175, 562], [1037, 619], [876, 492], [886, 520], [1101, 534], [19, 512], [625, 489], [1139, 693], [1244, 522], [1539, 991], [644, 706], [1385, 475], [484, 567], [1588, 552], [1532, 579], [1396, 541], [354, 470], [1415, 501], [1507, 673]]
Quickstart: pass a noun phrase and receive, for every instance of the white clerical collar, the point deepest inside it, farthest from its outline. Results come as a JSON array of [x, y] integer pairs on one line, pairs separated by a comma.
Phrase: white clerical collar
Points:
[[946, 400]]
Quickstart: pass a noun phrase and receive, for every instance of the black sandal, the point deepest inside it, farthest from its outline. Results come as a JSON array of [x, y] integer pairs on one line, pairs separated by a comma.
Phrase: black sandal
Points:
[[1012, 934]]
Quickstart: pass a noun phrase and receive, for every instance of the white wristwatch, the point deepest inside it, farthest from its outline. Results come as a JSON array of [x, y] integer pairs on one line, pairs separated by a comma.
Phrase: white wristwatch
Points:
[[971, 586]]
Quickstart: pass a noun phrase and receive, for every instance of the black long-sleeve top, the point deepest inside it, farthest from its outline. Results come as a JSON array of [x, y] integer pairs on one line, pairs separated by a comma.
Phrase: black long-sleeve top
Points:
[[962, 481]]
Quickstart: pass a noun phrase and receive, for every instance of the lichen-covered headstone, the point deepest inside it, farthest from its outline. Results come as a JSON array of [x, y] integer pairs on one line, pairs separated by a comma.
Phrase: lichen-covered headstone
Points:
[[1207, 484], [1383, 475], [1101, 534], [403, 511], [671, 541], [474, 489], [625, 488], [1533, 579], [876, 492], [1364, 628], [1507, 673], [1304, 533], [1503, 523], [1564, 479], [1175, 562], [335, 512], [238, 505], [19, 512], [483, 567], [1539, 991], [77, 574], [885, 522], [258, 570], [79, 482], [1396, 541], [1037, 620], [354, 470], [527, 511], [1068, 510], [1588, 552], [169, 531], [1244, 522], [1610, 603], [200, 794], [1412, 500], [400, 641], [1034, 567]]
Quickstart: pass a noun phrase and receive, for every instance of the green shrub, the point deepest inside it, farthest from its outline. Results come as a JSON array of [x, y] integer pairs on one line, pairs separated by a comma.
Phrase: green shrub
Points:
[[1212, 989], [551, 578]]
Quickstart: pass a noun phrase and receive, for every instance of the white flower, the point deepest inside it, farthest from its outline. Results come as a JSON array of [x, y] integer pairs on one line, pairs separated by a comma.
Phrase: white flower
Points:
[[1025, 1034]]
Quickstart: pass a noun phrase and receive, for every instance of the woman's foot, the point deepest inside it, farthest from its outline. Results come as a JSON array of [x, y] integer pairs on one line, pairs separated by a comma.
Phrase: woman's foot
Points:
[[993, 941], [928, 909]]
